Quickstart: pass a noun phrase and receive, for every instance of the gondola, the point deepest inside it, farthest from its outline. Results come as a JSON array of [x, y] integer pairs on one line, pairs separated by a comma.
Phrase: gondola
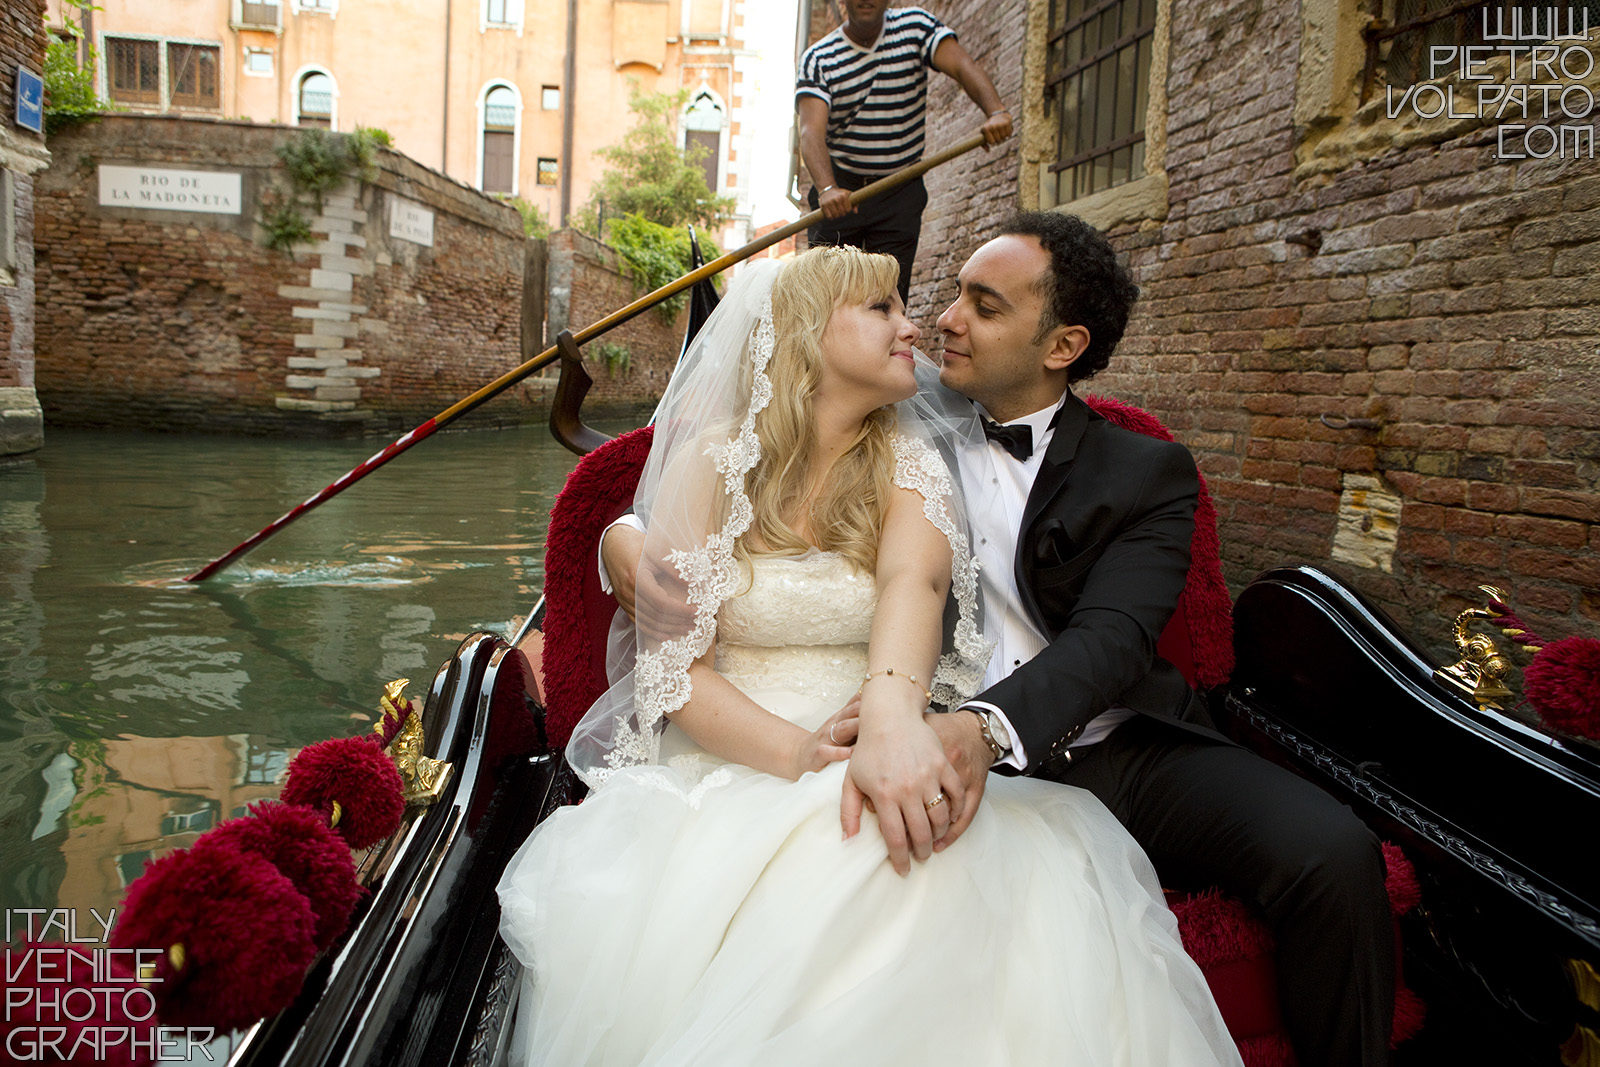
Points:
[[1503, 948], [1498, 908]]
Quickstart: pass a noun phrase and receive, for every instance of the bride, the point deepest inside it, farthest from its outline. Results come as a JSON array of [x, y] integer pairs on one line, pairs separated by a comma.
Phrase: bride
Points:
[[702, 905]]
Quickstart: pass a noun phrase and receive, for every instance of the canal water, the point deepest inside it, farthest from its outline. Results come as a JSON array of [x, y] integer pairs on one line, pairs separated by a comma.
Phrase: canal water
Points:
[[137, 711]]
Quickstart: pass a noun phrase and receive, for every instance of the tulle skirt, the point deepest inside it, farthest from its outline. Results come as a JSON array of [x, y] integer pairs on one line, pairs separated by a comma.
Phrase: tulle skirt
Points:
[[685, 917]]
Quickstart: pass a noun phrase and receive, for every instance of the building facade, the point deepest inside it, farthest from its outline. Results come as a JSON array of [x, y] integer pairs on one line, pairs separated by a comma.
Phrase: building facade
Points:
[[513, 97], [22, 155]]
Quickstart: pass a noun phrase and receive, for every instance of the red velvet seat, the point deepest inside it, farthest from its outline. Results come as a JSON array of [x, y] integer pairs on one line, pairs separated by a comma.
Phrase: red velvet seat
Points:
[[1232, 946]]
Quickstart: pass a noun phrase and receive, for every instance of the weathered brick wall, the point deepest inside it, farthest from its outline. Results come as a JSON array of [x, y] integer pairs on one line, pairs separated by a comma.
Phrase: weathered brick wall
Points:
[[182, 320], [586, 285], [1451, 300], [22, 153]]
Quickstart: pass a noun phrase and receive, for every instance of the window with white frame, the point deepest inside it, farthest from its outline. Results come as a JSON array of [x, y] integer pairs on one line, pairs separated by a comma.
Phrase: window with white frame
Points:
[[703, 121], [154, 72], [265, 14], [550, 98], [258, 61], [500, 140], [315, 95]]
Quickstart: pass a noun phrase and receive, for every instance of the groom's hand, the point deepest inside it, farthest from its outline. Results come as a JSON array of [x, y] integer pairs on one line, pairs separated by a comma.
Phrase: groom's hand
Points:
[[650, 591], [967, 752]]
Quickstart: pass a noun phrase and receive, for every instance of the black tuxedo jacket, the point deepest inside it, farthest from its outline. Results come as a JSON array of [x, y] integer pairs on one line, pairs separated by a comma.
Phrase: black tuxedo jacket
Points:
[[1101, 560]]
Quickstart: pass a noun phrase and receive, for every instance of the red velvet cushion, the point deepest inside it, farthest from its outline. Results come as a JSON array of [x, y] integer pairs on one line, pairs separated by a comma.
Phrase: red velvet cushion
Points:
[[1198, 639], [577, 615]]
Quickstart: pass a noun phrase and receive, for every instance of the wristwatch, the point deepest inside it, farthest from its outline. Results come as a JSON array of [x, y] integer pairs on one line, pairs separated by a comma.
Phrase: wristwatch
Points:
[[993, 731]]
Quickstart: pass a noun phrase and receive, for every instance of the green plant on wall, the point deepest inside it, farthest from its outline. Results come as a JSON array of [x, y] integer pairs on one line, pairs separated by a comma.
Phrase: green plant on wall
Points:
[[534, 221], [615, 357], [316, 162], [69, 90], [653, 255], [648, 174]]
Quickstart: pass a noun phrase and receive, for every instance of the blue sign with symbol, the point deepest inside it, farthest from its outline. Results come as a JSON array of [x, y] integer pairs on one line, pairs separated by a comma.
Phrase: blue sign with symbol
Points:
[[30, 100]]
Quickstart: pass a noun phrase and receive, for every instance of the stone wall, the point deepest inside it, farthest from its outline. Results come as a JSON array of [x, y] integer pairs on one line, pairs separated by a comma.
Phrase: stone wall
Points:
[[1418, 283], [587, 284], [22, 154], [185, 320]]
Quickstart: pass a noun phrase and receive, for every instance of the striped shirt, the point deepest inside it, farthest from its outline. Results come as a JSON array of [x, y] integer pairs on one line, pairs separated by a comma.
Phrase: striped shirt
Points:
[[877, 97]]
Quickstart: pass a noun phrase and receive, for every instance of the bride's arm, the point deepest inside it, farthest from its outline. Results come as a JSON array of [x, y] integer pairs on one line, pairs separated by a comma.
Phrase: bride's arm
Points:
[[899, 763], [726, 723]]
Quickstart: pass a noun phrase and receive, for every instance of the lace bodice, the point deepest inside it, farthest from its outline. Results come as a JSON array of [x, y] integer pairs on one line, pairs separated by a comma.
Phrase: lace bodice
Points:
[[797, 617]]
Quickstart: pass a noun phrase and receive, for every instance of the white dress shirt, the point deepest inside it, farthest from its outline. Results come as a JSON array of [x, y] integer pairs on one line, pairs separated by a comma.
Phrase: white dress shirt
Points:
[[995, 512]]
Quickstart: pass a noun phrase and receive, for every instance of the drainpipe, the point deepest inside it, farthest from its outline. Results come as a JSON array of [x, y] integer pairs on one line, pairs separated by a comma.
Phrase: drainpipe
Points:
[[568, 91], [444, 124]]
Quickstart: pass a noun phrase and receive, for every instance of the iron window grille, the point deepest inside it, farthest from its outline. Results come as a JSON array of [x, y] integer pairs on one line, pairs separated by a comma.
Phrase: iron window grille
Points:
[[1097, 88]]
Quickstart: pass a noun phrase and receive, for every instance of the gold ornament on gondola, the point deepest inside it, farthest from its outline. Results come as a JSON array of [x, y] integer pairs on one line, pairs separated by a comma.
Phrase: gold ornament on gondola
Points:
[[1479, 672], [424, 777]]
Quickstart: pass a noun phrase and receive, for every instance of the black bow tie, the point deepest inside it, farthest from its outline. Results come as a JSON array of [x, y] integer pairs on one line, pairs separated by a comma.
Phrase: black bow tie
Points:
[[1017, 440]]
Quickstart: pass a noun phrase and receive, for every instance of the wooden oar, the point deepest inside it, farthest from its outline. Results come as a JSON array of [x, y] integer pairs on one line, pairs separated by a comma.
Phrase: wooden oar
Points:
[[588, 333]]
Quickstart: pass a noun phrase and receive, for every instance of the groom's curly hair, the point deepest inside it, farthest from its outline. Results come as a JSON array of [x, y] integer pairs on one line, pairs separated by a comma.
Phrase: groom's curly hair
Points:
[[1085, 285]]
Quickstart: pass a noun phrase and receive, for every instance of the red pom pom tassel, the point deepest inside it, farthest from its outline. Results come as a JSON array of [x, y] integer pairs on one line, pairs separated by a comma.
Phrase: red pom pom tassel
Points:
[[356, 774], [242, 934], [300, 844], [1563, 685]]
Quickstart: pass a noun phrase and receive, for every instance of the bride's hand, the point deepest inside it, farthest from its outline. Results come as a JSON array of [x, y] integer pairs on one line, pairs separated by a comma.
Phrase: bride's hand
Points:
[[898, 767], [829, 743]]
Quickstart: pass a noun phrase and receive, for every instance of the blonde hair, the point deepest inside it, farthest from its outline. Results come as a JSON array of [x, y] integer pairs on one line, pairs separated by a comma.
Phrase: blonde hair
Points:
[[847, 515]]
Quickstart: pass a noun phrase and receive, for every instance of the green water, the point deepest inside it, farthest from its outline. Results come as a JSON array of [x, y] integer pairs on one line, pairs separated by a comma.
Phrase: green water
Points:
[[136, 710]]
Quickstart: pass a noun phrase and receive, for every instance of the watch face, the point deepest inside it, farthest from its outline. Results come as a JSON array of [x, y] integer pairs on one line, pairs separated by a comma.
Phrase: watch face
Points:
[[998, 729]]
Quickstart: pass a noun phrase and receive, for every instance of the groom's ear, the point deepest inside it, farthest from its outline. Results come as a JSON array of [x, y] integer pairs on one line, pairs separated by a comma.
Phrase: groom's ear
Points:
[[1067, 343]]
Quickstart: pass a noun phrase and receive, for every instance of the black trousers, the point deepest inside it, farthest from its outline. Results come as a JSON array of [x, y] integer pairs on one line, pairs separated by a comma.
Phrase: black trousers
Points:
[[1208, 812], [890, 223]]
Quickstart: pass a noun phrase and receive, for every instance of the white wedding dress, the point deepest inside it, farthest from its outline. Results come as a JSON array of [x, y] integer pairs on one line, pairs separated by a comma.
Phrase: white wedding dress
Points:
[[699, 912]]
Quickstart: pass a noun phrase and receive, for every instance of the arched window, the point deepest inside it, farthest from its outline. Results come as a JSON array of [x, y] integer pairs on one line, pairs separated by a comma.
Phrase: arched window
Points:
[[315, 105], [702, 125], [500, 107]]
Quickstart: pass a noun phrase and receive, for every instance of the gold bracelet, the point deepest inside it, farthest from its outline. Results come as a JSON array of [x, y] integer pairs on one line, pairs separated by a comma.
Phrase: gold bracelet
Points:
[[908, 677]]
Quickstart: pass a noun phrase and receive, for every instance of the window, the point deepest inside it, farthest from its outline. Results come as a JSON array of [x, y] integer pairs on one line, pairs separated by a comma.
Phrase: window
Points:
[[319, 6], [500, 140], [1097, 83], [258, 61], [187, 822], [702, 136], [550, 98], [549, 172], [192, 74], [259, 13], [130, 865], [133, 70], [494, 12], [316, 100]]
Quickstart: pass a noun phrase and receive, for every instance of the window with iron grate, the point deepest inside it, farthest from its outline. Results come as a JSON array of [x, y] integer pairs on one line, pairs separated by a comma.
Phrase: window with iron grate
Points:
[[1097, 86]]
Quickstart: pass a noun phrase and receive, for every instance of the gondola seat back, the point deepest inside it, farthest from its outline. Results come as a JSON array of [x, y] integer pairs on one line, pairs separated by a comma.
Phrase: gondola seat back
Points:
[[578, 612]]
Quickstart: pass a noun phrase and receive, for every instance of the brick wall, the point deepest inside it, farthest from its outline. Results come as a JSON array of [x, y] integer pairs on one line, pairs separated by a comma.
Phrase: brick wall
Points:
[[586, 285], [22, 154], [186, 321], [1451, 300]]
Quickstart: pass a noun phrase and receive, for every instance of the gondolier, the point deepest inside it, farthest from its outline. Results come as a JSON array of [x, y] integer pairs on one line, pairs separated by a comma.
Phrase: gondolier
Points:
[[862, 96]]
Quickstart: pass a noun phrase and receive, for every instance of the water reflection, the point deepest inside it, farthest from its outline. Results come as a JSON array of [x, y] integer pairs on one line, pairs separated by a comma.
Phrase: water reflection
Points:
[[136, 710]]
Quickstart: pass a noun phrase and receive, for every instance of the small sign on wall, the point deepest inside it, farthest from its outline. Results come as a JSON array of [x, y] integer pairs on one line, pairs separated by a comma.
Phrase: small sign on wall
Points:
[[30, 100], [410, 221], [155, 189]]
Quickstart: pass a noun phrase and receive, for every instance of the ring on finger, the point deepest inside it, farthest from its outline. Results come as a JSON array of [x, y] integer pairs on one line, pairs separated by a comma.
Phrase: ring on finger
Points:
[[935, 802], [831, 728]]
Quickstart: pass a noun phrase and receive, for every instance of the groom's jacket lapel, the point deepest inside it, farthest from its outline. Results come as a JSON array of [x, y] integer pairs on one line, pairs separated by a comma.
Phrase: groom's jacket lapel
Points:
[[1048, 484]]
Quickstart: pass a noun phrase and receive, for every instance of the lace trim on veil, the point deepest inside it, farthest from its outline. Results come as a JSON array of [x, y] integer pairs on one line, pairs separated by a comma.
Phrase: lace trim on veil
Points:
[[918, 467], [711, 574]]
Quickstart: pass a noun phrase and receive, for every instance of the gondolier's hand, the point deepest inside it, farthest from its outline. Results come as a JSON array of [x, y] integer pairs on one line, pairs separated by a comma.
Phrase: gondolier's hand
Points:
[[996, 128], [964, 747], [835, 202], [651, 592]]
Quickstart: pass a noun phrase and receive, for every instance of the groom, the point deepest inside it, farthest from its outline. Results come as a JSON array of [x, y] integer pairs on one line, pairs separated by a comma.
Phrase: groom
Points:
[[1086, 555]]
